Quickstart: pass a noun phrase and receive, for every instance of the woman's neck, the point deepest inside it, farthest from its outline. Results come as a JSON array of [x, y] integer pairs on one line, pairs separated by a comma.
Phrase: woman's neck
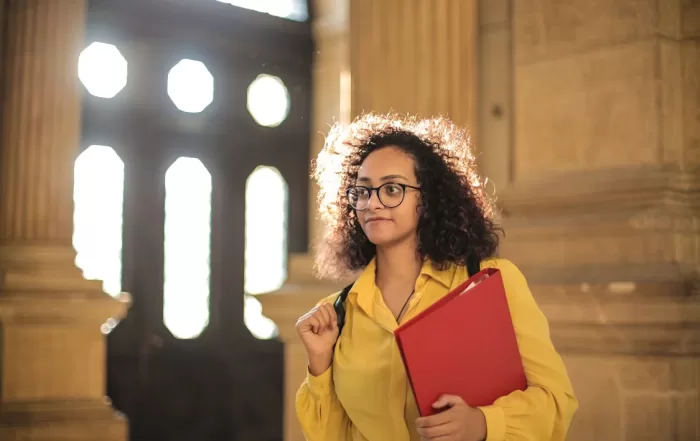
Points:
[[398, 264]]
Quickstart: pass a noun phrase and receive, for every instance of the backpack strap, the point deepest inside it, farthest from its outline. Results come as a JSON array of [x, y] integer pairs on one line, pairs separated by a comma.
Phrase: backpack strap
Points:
[[473, 264], [339, 306], [473, 267]]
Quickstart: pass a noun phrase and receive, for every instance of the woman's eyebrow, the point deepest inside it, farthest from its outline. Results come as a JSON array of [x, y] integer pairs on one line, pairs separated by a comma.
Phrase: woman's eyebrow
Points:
[[383, 178], [392, 177]]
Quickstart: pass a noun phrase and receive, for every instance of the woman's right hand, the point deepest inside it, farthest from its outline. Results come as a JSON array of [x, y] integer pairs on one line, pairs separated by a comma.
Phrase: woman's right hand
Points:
[[318, 330]]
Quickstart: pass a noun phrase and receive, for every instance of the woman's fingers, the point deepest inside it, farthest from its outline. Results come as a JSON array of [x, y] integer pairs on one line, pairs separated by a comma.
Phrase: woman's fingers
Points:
[[320, 318]]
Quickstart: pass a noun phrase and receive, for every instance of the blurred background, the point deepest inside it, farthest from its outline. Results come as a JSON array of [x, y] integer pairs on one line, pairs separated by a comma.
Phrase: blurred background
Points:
[[157, 220]]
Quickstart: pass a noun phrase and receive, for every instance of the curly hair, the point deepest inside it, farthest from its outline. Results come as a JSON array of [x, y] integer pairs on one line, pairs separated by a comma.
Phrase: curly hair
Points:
[[457, 219]]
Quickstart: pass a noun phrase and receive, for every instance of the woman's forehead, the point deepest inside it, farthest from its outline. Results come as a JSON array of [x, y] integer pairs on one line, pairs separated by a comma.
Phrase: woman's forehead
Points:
[[385, 163]]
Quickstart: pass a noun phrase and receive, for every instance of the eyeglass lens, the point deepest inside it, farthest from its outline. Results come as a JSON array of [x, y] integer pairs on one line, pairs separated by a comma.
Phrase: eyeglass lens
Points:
[[390, 195]]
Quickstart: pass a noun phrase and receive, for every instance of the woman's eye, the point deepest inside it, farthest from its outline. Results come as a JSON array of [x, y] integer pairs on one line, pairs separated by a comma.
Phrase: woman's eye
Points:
[[361, 193], [393, 189]]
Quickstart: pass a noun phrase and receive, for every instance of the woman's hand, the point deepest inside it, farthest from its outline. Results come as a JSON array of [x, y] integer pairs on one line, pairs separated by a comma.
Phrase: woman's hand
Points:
[[318, 330], [458, 422]]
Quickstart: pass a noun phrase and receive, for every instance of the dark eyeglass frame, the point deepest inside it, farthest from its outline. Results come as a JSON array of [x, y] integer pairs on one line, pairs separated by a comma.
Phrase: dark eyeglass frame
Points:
[[371, 190]]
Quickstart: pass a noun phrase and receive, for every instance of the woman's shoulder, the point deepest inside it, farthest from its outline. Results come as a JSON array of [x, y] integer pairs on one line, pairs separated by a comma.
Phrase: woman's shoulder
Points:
[[332, 298], [509, 271], [329, 299]]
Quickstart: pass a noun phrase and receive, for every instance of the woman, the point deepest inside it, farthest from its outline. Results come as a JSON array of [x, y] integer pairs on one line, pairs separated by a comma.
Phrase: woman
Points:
[[404, 208]]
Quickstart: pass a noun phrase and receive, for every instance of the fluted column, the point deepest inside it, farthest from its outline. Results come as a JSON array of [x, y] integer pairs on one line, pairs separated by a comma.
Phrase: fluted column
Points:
[[414, 56], [51, 348], [331, 85], [41, 125]]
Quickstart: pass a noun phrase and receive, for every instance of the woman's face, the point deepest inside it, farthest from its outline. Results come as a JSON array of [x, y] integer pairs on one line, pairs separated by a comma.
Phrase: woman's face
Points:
[[386, 226]]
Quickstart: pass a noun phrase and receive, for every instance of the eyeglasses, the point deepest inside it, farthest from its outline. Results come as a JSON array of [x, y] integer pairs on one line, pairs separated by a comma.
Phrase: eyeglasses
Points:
[[390, 195]]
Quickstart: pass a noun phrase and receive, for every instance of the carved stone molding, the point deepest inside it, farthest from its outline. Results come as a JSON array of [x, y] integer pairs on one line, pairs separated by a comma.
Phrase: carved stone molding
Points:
[[618, 188], [41, 284], [633, 224], [623, 317], [290, 302], [73, 420]]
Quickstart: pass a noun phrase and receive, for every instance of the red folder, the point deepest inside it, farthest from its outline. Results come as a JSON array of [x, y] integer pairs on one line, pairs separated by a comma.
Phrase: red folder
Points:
[[463, 345]]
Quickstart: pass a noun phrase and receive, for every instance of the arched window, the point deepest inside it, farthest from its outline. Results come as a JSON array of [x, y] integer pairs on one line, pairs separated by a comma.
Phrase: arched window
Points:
[[98, 194], [186, 286], [266, 209]]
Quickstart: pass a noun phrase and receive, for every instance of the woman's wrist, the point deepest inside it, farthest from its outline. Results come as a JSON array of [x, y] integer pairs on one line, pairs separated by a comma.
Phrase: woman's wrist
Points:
[[319, 363]]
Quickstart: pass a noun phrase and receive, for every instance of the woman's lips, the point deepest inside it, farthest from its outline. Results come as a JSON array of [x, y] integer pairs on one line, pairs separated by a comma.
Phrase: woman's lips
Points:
[[376, 219]]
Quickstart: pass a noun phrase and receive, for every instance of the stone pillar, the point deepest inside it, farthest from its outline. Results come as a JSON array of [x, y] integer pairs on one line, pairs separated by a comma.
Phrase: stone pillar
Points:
[[331, 85], [52, 352], [414, 56], [595, 157]]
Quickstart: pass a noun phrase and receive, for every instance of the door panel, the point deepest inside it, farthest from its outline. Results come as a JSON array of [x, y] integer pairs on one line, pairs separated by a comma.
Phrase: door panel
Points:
[[223, 384]]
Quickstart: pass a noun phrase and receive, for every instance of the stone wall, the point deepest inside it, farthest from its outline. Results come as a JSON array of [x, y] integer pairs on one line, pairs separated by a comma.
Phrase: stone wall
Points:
[[601, 196]]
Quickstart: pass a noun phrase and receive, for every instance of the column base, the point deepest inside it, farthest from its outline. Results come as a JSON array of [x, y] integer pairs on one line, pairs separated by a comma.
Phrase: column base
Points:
[[52, 347], [73, 420]]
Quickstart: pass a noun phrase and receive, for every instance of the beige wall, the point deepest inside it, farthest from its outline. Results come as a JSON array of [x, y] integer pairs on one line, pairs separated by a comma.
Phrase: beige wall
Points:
[[585, 116], [601, 200]]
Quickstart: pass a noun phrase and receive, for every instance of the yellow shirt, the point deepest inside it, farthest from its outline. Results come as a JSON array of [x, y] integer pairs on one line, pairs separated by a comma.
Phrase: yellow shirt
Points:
[[365, 395]]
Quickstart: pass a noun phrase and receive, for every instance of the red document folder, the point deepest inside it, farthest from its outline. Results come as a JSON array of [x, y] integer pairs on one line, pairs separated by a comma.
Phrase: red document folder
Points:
[[463, 345]]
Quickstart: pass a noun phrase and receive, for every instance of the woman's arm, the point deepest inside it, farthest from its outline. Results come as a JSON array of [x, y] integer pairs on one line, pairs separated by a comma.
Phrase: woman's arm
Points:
[[318, 409], [319, 412], [545, 409]]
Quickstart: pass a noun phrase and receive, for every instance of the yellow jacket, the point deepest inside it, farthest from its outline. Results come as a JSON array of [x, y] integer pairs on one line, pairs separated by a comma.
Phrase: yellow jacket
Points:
[[365, 395]]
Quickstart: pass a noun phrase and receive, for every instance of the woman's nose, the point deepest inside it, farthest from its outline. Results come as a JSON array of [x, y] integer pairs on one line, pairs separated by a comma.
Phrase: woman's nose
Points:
[[374, 202]]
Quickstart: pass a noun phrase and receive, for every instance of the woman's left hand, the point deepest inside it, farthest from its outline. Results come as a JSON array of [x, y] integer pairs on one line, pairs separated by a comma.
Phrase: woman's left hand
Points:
[[458, 422]]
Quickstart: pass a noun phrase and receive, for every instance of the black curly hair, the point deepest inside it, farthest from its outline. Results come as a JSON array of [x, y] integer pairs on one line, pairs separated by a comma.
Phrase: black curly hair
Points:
[[457, 217]]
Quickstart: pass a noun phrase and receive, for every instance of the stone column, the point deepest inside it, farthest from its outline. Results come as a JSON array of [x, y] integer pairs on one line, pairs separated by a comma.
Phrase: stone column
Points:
[[597, 167], [51, 348], [331, 85], [414, 56]]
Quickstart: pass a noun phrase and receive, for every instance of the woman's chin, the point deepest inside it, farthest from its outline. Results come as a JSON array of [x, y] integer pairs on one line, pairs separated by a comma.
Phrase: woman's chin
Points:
[[379, 239], [383, 233]]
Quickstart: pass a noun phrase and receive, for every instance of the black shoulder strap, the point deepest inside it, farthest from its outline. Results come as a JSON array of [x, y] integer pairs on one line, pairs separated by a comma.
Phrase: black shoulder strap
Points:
[[473, 267], [339, 306]]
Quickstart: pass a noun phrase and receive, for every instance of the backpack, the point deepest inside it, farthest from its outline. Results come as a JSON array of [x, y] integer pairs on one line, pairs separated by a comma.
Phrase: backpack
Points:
[[473, 267]]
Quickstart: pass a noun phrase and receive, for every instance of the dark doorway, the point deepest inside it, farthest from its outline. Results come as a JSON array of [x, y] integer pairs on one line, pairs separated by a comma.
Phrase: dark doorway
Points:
[[183, 365]]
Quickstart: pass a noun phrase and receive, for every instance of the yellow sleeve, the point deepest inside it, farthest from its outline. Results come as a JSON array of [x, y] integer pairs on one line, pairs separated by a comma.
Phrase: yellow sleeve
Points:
[[319, 412], [545, 409]]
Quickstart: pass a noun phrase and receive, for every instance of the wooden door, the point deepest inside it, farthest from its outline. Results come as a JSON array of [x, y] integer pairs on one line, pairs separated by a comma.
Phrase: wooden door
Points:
[[183, 365]]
